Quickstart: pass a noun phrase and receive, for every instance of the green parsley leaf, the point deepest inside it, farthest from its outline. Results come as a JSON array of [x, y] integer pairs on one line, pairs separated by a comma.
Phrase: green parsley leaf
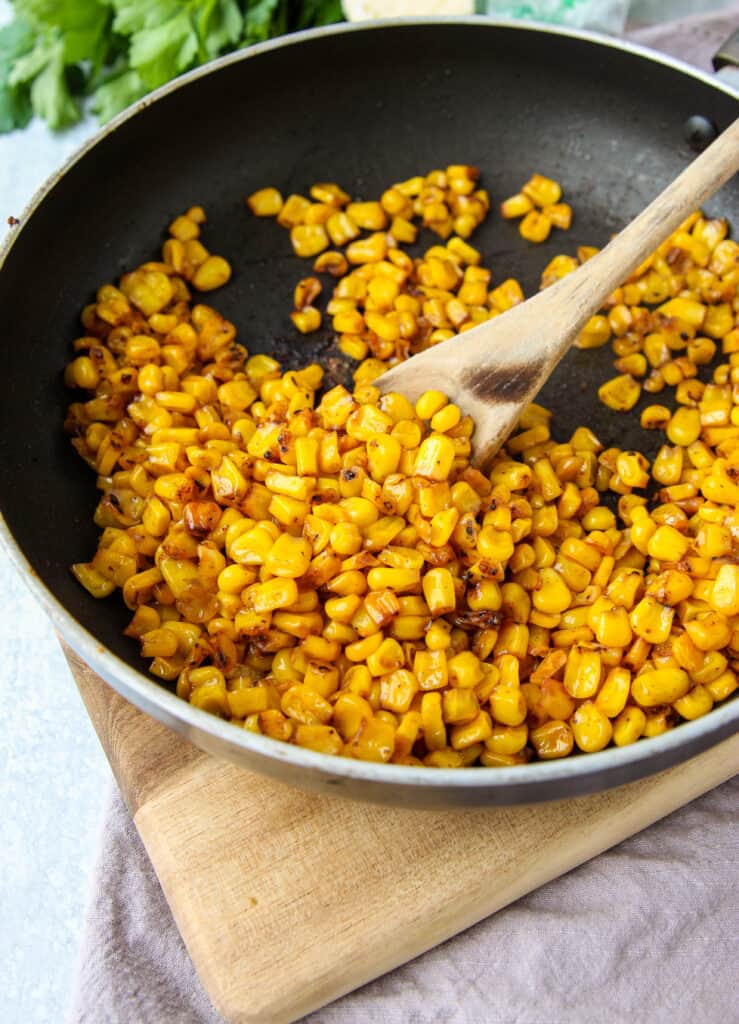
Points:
[[219, 25], [82, 24], [319, 12], [16, 39], [258, 20], [161, 53], [116, 50], [43, 68], [116, 93]]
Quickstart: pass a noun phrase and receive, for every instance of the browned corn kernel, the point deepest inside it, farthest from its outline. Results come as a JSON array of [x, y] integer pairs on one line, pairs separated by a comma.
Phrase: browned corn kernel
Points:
[[265, 202], [542, 191], [535, 227], [620, 393]]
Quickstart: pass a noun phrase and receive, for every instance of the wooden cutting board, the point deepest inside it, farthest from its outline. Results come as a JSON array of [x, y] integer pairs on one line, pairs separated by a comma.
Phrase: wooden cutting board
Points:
[[263, 879]]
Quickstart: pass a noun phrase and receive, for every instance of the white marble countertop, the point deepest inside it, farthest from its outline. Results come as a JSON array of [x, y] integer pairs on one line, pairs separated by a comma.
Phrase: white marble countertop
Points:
[[53, 774]]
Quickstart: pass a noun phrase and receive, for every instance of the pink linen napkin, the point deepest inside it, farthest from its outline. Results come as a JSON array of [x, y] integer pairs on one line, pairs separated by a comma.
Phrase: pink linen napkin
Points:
[[644, 933]]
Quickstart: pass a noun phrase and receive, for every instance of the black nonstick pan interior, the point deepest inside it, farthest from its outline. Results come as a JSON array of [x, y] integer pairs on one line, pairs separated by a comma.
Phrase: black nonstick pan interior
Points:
[[364, 108]]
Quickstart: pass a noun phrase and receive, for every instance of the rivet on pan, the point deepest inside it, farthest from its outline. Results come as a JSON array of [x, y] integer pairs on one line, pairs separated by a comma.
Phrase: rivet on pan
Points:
[[699, 132]]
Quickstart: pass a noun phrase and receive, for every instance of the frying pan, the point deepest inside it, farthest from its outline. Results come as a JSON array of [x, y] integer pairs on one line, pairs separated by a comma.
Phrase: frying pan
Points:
[[364, 106]]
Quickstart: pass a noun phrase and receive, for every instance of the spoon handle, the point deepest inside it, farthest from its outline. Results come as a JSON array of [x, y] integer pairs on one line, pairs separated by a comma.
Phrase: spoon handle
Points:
[[494, 370], [613, 264]]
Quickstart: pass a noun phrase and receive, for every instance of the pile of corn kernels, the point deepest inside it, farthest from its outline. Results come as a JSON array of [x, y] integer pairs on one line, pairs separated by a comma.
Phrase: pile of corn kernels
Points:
[[330, 570]]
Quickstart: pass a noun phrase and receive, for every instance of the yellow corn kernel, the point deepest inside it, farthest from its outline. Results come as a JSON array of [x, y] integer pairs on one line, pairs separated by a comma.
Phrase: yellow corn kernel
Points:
[[689, 311], [211, 696], [305, 705], [507, 739], [274, 594], [507, 703], [438, 635], [594, 334], [515, 206], [383, 456], [368, 216], [506, 295], [293, 211], [542, 191], [386, 658], [724, 597], [620, 393], [324, 739], [308, 239], [467, 734], [307, 319], [247, 701], [610, 624], [535, 227], [495, 545], [591, 728], [696, 703], [289, 511], [274, 724], [366, 250], [724, 686], [552, 740], [265, 202], [465, 670], [633, 469], [709, 632], [429, 403], [655, 417], [667, 544], [651, 620], [446, 418], [660, 686], [438, 590], [350, 711], [397, 690], [442, 526], [289, 557], [684, 426], [430, 669], [212, 273], [629, 726], [459, 707], [552, 595], [614, 692], [582, 673], [92, 580], [560, 214], [407, 733], [329, 192], [432, 721]]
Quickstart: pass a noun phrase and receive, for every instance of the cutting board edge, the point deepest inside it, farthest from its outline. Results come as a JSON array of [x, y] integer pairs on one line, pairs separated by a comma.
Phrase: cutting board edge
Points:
[[429, 934]]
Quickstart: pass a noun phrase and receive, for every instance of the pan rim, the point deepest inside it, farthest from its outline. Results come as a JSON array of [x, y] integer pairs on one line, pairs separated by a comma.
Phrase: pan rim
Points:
[[341, 28], [150, 696]]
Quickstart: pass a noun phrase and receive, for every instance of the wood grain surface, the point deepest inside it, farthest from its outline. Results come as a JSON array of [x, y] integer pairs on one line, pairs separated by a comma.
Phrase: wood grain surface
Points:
[[286, 900]]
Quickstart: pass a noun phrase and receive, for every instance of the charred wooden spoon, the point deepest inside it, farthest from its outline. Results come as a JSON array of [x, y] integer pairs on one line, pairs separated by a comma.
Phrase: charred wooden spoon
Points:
[[494, 370]]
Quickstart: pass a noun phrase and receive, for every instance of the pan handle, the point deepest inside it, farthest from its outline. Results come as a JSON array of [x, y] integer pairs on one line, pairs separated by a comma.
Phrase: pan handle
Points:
[[726, 60]]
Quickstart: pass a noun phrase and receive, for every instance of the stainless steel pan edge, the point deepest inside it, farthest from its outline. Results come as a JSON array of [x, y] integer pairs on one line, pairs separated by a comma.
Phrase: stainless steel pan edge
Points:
[[392, 784]]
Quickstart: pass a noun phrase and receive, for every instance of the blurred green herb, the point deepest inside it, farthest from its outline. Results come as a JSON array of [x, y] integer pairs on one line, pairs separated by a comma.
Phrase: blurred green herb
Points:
[[58, 55]]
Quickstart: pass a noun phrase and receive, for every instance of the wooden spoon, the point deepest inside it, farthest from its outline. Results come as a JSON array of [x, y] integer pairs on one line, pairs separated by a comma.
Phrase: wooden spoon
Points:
[[494, 370]]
